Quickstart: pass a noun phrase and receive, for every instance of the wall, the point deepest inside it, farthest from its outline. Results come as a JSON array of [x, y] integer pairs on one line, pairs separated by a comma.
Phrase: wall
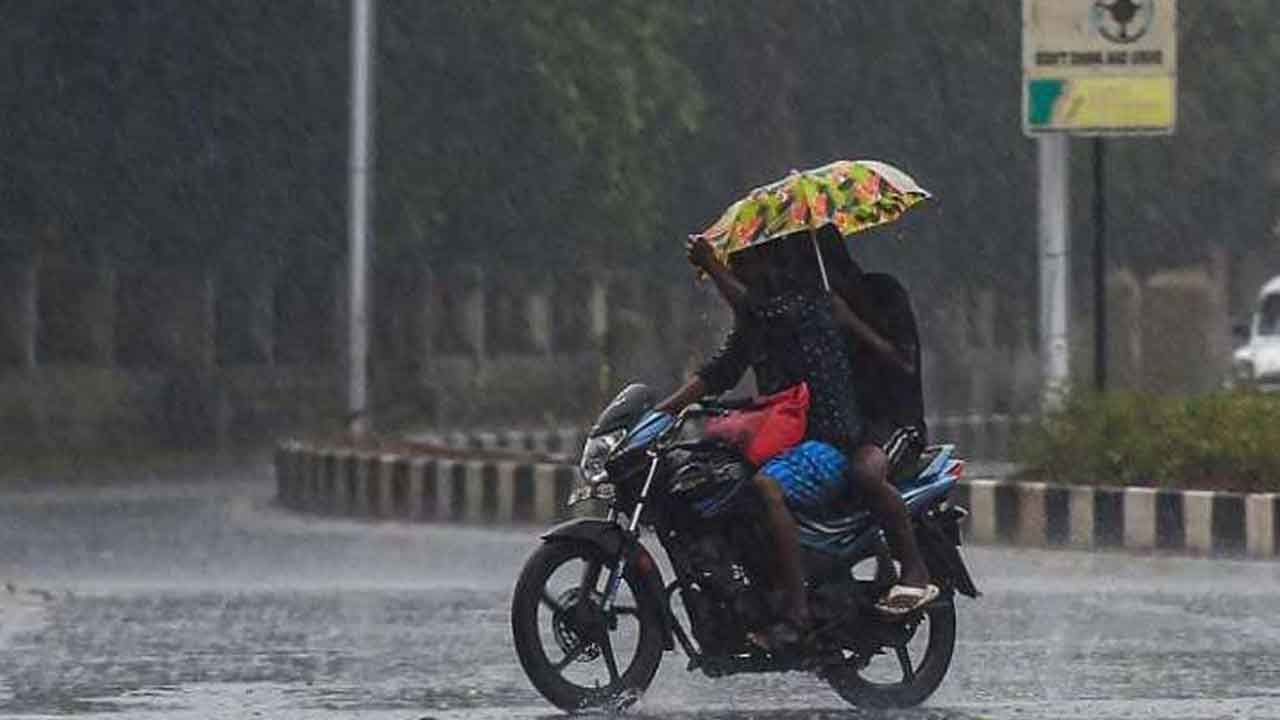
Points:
[[96, 357], [91, 356]]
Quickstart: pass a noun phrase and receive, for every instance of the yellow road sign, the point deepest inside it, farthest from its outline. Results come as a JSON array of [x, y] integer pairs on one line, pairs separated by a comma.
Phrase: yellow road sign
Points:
[[1096, 67]]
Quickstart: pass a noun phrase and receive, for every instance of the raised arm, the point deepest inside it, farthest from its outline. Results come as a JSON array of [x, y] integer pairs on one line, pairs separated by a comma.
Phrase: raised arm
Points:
[[855, 325], [700, 255]]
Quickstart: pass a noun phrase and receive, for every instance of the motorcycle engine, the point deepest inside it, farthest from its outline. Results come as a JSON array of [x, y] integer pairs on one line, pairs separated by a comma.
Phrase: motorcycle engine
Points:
[[726, 601], [717, 567], [711, 542]]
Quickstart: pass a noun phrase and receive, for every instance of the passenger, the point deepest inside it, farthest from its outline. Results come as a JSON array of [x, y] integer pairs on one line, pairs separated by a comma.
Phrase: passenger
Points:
[[884, 345], [892, 396], [784, 331]]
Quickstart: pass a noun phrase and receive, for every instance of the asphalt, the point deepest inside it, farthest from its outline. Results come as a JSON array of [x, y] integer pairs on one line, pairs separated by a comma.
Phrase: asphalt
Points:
[[196, 598]]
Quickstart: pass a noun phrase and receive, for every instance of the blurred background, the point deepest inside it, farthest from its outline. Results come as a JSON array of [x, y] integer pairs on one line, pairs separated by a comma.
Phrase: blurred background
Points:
[[173, 193]]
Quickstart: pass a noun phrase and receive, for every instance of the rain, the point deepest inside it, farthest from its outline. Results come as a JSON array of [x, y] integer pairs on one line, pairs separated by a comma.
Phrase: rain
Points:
[[308, 309]]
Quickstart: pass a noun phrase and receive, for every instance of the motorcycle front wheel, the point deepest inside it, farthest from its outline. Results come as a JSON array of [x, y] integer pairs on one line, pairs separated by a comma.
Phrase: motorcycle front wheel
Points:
[[577, 655]]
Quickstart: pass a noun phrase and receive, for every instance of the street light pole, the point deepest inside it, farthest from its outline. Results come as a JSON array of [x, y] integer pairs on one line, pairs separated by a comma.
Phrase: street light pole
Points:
[[360, 179]]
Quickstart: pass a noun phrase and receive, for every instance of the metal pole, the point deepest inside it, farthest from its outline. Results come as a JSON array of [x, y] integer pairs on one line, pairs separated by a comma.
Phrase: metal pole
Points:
[[822, 265], [1099, 265], [1054, 202], [362, 23]]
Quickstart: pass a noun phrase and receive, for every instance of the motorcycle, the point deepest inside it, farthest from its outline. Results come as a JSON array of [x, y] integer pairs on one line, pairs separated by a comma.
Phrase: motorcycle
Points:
[[592, 615]]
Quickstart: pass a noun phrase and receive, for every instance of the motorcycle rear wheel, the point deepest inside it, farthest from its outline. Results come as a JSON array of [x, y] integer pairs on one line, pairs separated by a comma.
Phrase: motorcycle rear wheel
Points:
[[534, 603], [915, 686]]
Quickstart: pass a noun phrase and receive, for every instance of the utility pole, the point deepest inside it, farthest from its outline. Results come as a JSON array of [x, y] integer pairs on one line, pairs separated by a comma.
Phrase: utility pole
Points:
[[1055, 242], [360, 178], [1099, 264]]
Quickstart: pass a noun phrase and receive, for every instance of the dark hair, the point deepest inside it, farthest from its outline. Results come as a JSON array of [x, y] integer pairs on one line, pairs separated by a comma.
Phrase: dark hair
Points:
[[767, 268], [790, 264], [844, 273]]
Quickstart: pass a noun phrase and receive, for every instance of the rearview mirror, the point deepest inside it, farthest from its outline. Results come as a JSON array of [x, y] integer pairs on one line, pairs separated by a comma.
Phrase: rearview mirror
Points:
[[1240, 332]]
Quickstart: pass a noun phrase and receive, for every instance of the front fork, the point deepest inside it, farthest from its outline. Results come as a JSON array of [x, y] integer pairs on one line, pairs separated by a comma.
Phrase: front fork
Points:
[[615, 572]]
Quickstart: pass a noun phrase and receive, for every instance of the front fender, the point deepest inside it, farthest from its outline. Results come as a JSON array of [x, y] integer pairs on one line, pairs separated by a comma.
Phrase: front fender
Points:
[[614, 542], [606, 535]]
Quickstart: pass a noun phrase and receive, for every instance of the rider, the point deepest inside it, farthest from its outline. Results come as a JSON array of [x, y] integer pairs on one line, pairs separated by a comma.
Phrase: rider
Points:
[[785, 332], [886, 352]]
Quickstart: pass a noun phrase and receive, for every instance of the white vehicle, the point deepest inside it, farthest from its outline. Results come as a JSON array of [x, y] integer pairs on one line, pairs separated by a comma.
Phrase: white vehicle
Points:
[[1257, 361]]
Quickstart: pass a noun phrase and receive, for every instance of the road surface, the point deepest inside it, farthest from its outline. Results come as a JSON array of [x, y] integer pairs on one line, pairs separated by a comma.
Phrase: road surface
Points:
[[195, 598]]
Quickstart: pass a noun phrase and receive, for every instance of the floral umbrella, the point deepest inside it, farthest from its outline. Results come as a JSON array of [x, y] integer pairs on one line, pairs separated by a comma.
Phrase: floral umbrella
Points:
[[852, 195]]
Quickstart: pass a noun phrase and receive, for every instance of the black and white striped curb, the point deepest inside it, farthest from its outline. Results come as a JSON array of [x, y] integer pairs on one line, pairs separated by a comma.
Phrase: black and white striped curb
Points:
[[978, 436], [1137, 518], [393, 486]]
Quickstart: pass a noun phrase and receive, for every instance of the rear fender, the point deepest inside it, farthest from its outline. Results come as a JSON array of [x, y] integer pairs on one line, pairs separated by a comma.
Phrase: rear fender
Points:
[[614, 542], [939, 536]]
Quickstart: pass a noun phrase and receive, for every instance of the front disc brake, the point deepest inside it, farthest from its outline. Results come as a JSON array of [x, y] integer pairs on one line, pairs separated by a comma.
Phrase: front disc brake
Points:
[[569, 635]]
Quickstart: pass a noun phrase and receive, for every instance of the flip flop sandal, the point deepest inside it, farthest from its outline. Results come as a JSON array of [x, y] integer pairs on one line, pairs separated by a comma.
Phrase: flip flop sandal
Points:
[[904, 599]]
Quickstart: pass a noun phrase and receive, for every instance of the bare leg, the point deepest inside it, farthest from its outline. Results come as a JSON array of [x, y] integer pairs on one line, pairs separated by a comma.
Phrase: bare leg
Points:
[[871, 478], [786, 542]]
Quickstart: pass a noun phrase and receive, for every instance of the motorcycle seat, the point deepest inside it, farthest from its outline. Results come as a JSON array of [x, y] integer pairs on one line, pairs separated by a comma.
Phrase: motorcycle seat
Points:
[[911, 472], [848, 516]]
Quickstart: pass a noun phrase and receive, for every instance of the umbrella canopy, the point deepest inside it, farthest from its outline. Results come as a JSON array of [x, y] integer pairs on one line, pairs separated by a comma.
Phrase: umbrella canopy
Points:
[[852, 195]]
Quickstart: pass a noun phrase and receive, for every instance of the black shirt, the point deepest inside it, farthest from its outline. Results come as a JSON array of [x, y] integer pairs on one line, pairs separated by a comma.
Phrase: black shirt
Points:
[[787, 339], [884, 391]]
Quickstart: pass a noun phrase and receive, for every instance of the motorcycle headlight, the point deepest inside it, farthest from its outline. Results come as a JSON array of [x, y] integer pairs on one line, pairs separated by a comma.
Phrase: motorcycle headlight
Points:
[[593, 479], [596, 452]]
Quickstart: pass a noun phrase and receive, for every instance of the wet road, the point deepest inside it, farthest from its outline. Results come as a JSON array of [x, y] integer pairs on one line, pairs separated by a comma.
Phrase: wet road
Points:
[[202, 601]]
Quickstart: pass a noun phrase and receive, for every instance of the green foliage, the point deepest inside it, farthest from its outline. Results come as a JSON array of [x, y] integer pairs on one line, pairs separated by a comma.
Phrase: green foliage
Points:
[[543, 133], [159, 133], [1218, 441], [563, 131], [626, 102], [1213, 168]]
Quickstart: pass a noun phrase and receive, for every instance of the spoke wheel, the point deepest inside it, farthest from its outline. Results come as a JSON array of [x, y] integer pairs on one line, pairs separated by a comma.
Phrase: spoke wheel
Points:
[[906, 674], [576, 654]]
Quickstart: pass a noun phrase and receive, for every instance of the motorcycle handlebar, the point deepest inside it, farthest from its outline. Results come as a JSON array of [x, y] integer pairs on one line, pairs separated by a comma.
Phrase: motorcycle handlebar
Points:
[[726, 404], [697, 409]]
